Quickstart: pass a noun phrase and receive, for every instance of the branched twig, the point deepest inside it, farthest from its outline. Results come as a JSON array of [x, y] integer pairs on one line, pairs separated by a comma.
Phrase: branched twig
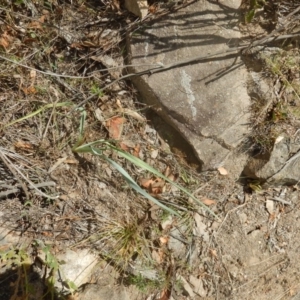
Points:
[[13, 171], [17, 173], [42, 72], [160, 67]]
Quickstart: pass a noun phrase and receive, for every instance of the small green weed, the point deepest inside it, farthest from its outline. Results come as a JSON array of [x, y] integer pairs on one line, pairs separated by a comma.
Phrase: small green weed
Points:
[[20, 260], [255, 186], [254, 6], [187, 177], [52, 265], [145, 285], [96, 90], [286, 68], [40, 110]]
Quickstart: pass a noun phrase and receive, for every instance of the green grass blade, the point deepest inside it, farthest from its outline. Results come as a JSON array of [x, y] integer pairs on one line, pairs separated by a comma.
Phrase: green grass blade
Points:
[[132, 183], [51, 105], [80, 139], [138, 162], [82, 120], [87, 148]]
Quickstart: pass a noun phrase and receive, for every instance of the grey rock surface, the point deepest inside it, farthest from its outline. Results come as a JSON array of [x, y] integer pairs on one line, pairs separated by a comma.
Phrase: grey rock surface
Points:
[[264, 168], [94, 291], [206, 101], [282, 167], [290, 172], [137, 7], [77, 268]]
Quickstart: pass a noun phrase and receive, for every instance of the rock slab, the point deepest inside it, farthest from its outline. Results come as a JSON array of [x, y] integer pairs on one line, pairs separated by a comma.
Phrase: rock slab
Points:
[[207, 100]]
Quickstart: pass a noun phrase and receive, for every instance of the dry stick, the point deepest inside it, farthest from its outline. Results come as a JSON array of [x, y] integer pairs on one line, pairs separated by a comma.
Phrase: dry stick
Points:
[[17, 172], [161, 67], [42, 72], [280, 200], [13, 171], [8, 192], [292, 13], [283, 26], [50, 118], [42, 185], [35, 187]]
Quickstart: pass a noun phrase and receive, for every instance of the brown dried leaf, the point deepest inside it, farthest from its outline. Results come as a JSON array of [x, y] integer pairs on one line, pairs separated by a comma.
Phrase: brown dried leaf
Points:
[[115, 5], [4, 42], [115, 127], [158, 182], [24, 145], [145, 182], [154, 186], [208, 202], [172, 177], [153, 8], [157, 186], [213, 253], [119, 104], [156, 190], [29, 90], [77, 46], [35, 25], [136, 151], [167, 171], [123, 146], [165, 294]]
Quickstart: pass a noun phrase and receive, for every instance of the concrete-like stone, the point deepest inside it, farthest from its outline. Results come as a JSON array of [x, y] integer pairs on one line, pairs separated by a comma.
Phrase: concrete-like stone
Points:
[[175, 244], [137, 7], [77, 267], [206, 101], [93, 291], [280, 168], [266, 168], [289, 174]]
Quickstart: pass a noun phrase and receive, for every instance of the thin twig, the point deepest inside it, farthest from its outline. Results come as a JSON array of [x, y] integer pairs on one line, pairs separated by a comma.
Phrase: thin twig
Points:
[[42, 185], [16, 172], [35, 187], [280, 200], [42, 72], [160, 67], [8, 192], [13, 170]]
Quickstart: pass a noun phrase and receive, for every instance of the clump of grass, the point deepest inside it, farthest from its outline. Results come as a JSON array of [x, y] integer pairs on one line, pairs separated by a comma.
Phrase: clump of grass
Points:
[[278, 115], [52, 265], [122, 242], [19, 260], [145, 285], [285, 67], [255, 5]]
